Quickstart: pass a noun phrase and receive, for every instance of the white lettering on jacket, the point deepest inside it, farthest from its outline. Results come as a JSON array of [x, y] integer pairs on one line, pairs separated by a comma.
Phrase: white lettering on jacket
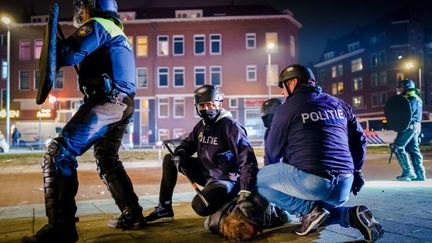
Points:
[[208, 140], [322, 115]]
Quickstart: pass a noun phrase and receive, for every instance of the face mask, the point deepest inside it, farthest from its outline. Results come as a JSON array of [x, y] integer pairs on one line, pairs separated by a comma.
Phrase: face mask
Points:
[[209, 116], [267, 119]]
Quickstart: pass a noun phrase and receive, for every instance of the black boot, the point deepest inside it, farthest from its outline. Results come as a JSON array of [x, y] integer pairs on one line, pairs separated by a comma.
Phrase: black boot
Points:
[[129, 219], [54, 233]]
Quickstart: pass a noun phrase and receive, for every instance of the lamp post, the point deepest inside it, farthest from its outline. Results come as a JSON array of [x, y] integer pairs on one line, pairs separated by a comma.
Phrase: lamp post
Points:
[[7, 22], [410, 65], [270, 47]]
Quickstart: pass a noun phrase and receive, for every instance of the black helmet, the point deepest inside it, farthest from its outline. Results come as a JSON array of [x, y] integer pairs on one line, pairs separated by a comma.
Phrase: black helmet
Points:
[[269, 106], [207, 93], [304, 74], [98, 8], [406, 84]]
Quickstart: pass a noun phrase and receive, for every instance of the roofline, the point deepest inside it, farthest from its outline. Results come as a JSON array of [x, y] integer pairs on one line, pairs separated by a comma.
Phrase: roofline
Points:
[[170, 20], [338, 58]]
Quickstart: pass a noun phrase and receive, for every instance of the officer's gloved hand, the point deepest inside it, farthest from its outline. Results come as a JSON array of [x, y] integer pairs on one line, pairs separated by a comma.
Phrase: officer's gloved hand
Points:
[[224, 158], [178, 159], [244, 203], [357, 183]]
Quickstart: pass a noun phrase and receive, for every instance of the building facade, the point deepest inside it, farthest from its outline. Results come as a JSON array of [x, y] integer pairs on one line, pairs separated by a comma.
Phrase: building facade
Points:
[[364, 66], [176, 50]]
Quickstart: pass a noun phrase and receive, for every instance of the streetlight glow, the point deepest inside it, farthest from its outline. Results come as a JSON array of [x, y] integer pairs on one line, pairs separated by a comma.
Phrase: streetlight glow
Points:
[[6, 20], [409, 65], [270, 46]]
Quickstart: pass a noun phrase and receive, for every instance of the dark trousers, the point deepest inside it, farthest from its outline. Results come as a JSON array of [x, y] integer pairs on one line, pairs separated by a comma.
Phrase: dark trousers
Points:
[[216, 192]]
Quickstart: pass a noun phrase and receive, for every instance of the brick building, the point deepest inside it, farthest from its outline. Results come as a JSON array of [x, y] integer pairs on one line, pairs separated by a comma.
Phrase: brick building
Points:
[[176, 50], [364, 66]]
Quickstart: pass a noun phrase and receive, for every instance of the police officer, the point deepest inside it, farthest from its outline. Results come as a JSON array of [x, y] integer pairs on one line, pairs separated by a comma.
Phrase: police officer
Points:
[[407, 142], [323, 150], [107, 79], [267, 110], [225, 162]]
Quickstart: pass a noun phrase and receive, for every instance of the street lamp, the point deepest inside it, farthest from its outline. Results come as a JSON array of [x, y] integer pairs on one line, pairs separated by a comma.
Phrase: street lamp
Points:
[[270, 47], [7, 21], [410, 65]]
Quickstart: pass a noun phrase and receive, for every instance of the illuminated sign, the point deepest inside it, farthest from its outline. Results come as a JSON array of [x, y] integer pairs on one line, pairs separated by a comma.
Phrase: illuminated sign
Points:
[[12, 113], [44, 113]]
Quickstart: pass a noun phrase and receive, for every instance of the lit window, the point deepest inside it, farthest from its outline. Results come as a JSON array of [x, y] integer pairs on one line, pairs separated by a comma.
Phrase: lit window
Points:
[[357, 84], [37, 48], [357, 101], [24, 52], [142, 46], [163, 45], [216, 75], [215, 44], [356, 65], [337, 88], [199, 44], [141, 77], [333, 72], [250, 40]]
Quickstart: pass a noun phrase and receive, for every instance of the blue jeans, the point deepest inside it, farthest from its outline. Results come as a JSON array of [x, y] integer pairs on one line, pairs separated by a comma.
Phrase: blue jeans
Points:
[[298, 192]]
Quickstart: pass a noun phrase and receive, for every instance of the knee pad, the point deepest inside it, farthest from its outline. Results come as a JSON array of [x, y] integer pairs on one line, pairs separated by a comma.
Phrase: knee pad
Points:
[[59, 187], [217, 193]]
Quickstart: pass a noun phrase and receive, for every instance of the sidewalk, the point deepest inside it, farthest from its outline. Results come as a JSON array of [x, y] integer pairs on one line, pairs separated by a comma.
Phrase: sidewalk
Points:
[[404, 210]]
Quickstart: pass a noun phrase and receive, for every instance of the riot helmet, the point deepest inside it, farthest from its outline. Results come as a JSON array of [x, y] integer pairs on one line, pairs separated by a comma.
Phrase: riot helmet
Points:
[[406, 84], [204, 94], [268, 109], [302, 73], [97, 8], [207, 93]]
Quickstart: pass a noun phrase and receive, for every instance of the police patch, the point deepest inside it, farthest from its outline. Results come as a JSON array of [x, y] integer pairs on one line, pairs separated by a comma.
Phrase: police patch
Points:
[[85, 30]]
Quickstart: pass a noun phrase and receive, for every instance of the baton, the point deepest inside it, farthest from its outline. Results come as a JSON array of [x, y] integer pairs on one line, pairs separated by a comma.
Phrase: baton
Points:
[[391, 156], [194, 185]]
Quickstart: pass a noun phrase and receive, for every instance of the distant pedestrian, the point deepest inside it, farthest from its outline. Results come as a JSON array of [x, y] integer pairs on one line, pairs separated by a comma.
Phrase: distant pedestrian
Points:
[[16, 137]]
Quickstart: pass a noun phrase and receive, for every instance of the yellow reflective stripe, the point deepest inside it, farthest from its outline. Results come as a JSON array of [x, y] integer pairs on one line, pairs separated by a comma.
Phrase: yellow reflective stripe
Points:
[[110, 27]]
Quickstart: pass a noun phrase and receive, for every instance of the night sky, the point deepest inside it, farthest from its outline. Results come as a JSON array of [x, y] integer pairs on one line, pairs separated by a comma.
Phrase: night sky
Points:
[[321, 19]]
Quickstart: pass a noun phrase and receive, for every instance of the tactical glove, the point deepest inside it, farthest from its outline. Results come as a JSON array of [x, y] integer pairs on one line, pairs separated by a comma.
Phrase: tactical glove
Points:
[[245, 204], [357, 183]]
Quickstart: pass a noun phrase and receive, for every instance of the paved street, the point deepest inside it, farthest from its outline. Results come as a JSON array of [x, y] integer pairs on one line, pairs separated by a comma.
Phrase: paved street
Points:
[[403, 208]]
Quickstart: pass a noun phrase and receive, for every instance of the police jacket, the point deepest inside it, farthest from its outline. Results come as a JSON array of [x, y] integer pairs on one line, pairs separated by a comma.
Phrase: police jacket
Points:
[[211, 141], [317, 133], [416, 105], [99, 46]]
